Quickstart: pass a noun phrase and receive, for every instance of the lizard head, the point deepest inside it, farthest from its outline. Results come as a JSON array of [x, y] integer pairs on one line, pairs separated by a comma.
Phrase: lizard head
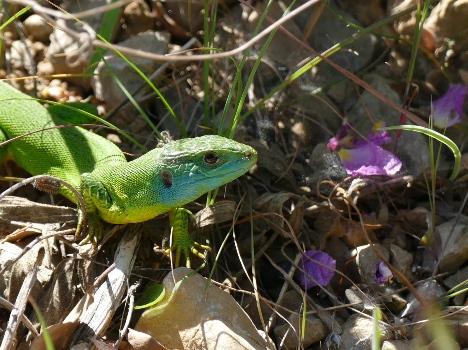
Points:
[[191, 167]]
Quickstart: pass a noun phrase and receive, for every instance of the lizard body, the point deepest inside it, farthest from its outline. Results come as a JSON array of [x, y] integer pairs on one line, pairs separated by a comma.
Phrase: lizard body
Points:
[[115, 190]]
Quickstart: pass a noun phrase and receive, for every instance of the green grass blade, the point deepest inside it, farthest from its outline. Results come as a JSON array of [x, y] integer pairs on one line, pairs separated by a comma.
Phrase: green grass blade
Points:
[[109, 21], [47, 338], [376, 333], [15, 16], [438, 136]]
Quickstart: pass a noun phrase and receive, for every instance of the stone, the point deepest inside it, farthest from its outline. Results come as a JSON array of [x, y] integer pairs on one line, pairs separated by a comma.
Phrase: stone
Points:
[[38, 28], [430, 291], [454, 237], [448, 19], [396, 345], [460, 276], [22, 55], [358, 331], [315, 331], [137, 18], [67, 54], [366, 259], [401, 260], [105, 85]]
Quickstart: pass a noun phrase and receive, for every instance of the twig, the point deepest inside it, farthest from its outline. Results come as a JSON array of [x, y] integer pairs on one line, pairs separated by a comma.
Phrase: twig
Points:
[[17, 312], [9, 306]]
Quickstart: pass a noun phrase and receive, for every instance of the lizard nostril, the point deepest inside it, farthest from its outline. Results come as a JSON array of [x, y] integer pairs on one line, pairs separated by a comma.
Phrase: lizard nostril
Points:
[[248, 155]]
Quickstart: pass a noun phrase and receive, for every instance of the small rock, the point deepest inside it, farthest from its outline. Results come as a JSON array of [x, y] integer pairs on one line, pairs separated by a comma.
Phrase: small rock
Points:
[[444, 342], [395, 303], [456, 249], [114, 138], [137, 18], [105, 86], [448, 18], [358, 331], [67, 54], [356, 296], [38, 28], [22, 55], [366, 12], [197, 315], [326, 165], [142, 341], [329, 30], [315, 331], [401, 260], [429, 291], [188, 15], [396, 345], [282, 50], [366, 259], [355, 236]]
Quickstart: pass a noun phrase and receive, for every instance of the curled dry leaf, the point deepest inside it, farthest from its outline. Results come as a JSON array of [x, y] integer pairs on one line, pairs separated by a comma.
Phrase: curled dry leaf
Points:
[[143, 341], [61, 332], [194, 314], [274, 203], [217, 213]]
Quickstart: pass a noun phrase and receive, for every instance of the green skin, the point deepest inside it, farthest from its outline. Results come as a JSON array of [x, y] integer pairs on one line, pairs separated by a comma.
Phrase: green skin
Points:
[[115, 190]]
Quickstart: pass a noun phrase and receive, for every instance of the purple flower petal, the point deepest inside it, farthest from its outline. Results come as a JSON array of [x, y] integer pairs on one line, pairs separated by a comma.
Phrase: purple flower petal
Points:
[[448, 109], [311, 273], [379, 137], [369, 160], [365, 157], [381, 274], [333, 144]]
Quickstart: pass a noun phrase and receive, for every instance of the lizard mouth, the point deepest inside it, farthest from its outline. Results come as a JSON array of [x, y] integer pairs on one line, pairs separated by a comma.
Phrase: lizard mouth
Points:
[[225, 173]]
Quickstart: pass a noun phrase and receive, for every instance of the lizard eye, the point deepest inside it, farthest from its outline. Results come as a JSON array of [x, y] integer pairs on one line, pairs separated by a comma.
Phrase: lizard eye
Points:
[[211, 158]]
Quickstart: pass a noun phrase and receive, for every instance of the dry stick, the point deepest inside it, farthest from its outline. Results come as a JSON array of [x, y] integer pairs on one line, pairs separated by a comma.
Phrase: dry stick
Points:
[[156, 57], [36, 7], [96, 319], [131, 296], [10, 307], [17, 312]]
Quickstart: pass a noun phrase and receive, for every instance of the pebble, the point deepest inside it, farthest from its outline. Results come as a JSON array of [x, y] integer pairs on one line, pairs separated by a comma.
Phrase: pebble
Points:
[[38, 28]]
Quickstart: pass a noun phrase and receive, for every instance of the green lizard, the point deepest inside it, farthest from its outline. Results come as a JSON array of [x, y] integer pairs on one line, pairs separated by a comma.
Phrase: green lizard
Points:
[[115, 190]]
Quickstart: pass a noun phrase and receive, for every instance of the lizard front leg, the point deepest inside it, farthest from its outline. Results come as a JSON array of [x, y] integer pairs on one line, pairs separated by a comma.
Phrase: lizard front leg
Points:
[[182, 241], [96, 198]]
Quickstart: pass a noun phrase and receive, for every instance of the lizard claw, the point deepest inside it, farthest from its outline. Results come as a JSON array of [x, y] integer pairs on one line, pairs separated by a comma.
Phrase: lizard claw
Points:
[[94, 229], [189, 247], [183, 242]]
